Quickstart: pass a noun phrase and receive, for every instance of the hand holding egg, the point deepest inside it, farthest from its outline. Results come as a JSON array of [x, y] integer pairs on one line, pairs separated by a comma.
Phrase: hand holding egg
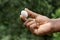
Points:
[[37, 24]]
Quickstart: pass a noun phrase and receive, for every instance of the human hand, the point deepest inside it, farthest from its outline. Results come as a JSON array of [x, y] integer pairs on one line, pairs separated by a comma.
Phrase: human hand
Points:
[[37, 24]]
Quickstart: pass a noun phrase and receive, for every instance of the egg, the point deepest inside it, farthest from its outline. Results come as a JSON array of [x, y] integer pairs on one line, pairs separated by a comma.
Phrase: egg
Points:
[[24, 13]]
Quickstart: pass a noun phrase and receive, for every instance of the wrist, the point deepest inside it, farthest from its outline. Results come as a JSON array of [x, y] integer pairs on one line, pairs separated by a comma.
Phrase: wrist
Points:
[[56, 24]]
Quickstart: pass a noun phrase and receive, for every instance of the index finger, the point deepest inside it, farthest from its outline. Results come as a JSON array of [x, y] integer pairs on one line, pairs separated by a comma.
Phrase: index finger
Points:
[[23, 18], [31, 14]]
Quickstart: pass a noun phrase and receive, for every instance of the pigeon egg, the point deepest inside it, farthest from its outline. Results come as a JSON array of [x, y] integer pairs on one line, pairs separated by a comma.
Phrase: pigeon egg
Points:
[[24, 13]]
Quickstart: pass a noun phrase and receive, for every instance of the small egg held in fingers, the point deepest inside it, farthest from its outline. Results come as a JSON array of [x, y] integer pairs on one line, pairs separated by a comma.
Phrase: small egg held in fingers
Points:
[[24, 13]]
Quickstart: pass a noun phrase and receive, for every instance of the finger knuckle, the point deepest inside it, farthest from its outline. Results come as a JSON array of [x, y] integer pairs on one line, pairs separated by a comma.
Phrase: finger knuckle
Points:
[[27, 24], [31, 26]]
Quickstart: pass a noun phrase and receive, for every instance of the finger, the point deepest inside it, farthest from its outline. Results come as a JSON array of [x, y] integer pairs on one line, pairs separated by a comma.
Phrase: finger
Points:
[[30, 23], [32, 26], [23, 18], [28, 20], [31, 14]]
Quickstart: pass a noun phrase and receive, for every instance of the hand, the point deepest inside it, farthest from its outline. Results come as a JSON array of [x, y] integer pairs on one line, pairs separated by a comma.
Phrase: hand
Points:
[[37, 24]]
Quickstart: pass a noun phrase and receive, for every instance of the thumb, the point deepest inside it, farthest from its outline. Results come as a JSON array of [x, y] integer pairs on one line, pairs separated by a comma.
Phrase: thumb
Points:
[[31, 13], [23, 18]]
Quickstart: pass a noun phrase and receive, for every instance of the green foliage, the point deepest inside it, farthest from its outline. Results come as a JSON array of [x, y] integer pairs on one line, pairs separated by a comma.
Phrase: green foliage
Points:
[[56, 36], [11, 26], [57, 13]]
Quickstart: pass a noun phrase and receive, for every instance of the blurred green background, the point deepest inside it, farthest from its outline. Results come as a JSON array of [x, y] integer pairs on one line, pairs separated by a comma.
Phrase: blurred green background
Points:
[[11, 26]]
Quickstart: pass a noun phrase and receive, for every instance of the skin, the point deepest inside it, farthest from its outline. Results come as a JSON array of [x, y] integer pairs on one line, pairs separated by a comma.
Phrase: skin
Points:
[[39, 24]]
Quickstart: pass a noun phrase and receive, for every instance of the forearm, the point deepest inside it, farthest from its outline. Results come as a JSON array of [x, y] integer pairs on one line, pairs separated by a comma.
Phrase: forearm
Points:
[[56, 24]]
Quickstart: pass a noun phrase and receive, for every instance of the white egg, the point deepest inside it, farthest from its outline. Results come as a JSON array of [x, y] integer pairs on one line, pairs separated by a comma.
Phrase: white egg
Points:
[[24, 13]]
